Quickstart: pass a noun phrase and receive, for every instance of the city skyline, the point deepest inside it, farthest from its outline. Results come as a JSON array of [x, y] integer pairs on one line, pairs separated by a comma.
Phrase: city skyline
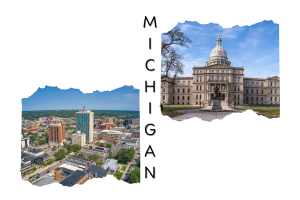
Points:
[[254, 47], [125, 98]]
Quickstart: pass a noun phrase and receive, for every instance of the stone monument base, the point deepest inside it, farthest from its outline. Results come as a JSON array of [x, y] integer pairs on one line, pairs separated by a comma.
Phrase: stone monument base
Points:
[[217, 104]]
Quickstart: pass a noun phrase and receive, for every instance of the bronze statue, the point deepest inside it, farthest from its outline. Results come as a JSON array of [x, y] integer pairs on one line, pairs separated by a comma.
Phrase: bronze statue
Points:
[[217, 92]]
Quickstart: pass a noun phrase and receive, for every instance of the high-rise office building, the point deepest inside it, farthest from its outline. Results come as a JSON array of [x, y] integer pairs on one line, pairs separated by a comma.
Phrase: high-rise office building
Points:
[[85, 123], [56, 134]]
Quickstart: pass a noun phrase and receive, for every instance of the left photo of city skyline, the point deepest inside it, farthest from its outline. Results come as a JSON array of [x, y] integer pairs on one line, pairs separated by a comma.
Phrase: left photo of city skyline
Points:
[[69, 137]]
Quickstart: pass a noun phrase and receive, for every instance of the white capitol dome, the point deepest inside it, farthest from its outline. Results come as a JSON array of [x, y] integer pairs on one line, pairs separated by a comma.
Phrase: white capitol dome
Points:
[[218, 55]]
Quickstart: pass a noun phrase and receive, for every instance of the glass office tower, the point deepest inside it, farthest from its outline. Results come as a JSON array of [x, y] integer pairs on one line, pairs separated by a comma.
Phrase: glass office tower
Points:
[[85, 123]]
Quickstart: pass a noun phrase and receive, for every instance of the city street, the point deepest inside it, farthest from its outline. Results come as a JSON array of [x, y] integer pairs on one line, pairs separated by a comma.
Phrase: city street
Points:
[[44, 171]]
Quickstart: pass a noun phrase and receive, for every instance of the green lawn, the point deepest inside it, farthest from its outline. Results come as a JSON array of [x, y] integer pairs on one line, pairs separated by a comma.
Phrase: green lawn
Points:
[[123, 168], [118, 175], [270, 112], [170, 110]]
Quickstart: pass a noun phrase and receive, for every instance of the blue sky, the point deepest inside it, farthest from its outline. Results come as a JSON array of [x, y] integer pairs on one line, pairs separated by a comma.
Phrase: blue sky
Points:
[[254, 47], [53, 98]]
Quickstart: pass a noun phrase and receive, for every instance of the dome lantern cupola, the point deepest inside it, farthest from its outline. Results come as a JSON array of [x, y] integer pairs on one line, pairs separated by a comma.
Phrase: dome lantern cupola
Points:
[[218, 55]]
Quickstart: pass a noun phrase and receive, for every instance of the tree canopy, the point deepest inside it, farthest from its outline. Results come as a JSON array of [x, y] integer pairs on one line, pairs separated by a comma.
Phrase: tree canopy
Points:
[[93, 157], [171, 65], [81, 155], [60, 154], [134, 176], [125, 155]]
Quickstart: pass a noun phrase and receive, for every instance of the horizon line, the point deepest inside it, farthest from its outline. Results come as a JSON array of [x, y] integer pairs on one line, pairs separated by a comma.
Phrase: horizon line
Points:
[[78, 110]]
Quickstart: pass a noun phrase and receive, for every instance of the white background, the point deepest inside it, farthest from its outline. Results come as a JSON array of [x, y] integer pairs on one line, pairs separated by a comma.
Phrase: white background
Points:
[[102, 46]]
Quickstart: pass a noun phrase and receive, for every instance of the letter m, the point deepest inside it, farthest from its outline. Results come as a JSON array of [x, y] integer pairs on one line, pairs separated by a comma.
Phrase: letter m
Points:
[[153, 20]]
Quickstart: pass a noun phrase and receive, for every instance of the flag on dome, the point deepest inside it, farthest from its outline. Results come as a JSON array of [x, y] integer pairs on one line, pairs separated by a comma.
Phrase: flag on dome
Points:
[[220, 52]]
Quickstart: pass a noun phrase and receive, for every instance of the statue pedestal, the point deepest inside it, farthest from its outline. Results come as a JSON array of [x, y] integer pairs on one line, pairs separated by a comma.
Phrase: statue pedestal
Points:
[[217, 104]]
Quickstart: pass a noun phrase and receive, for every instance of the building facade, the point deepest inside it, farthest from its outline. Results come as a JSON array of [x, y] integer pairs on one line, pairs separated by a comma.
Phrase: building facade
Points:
[[79, 138], [56, 134], [85, 123], [218, 71]]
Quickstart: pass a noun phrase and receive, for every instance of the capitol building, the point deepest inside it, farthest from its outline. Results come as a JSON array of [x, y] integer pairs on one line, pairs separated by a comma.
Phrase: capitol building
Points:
[[218, 71]]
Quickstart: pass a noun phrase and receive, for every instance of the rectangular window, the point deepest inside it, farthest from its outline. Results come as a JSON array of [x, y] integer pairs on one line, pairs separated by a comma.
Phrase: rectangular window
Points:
[[271, 91], [212, 87], [275, 86], [234, 79], [212, 71], [234, 88], [189, 83], [223, 71], [256, 83], [235, 72], [212, 78], [275, 91], [247, 91], [252, 84], [183, 83], [200, 88], [251, 91], [238, 72], [223, 87], [275, 98], [197, 88], [197, 72], [173, 90], [217, 78], [197, 79], [262, 91], [163, 97], [271, 85], [238, 79], [217, 71], [178, 83], [200, 71], [262, 84], [238, 88], [222, 78], [177, 90], [200, 79], [182, 90], [188, 90], [164, 89], [256, 91], [247, 84]]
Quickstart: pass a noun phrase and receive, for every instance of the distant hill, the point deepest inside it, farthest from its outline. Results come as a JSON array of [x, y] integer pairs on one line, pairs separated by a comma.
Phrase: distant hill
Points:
[[34, 115]]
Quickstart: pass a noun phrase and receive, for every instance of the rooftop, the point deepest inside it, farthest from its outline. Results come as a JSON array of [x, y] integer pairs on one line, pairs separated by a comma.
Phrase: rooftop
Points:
[[73, 178], [45, 181], [101, 173]]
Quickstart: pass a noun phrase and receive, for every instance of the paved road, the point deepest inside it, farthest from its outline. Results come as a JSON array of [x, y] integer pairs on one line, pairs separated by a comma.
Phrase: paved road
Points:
[[44, 172], [204, 115]]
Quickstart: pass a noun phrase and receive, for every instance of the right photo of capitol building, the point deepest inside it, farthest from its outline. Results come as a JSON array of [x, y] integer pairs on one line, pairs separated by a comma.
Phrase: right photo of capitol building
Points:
[[235, 87]]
